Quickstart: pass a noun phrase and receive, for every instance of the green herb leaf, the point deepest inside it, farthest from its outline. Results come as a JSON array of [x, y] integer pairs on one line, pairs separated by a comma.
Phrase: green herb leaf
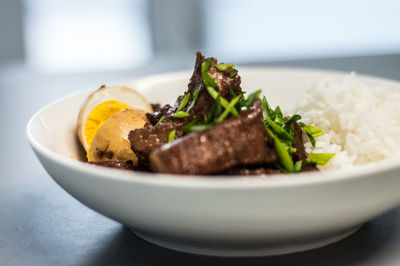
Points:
[[160, 121], [278, 113], [292, 119], [184, 128], [249, 101], [180, 114], [282, 133], [208, 81], [195, 97], [233, 73], [284, 157], [228, 109], [224, 102], [215, 110], [206, 65], [183, 102], [267, 110], [320, 158], [298, 166], [171, 136], [232, 94], [193, 127], [312, 132], [224, 67]]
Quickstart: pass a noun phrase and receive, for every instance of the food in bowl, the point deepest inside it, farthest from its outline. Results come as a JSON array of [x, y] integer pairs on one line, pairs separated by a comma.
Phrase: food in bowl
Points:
[[209, 213], [213, 128]]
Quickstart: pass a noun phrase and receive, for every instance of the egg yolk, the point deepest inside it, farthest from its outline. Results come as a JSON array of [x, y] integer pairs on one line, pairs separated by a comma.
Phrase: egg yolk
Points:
[[99, 115]]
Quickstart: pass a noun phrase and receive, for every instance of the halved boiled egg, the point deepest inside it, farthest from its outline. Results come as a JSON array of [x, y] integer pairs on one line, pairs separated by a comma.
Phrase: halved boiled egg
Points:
[[102, 104]]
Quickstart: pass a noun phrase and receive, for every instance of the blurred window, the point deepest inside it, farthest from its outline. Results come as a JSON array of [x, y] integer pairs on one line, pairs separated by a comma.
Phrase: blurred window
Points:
[[77, 35], [276, 30]]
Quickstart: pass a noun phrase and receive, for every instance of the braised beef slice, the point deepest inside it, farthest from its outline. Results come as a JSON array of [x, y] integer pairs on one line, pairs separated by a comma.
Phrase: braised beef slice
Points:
[[298, 144], [144, 140], [236, 141], [204, 101]]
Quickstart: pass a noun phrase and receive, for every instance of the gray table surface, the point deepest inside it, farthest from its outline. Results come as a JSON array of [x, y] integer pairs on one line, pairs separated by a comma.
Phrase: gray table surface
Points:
[[40, 224]]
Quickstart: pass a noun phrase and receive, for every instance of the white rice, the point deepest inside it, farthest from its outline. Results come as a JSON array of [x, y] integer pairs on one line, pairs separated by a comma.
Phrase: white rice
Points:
[[361, 122]]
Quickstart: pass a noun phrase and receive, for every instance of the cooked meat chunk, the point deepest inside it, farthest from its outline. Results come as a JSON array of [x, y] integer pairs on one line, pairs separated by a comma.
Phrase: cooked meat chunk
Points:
[[145, 140], [236, 141], [298, 144], [309, 168]]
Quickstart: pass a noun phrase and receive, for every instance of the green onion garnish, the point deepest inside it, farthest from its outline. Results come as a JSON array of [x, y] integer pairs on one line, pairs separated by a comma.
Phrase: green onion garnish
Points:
[[298, 166], [292, 119], [160, 121], [284, 157], [215, 110], [312, 132], [171, 136], [224, 102], [320, 158], [183, 102], [180, 114], [224, 67], [249, 101], [195, 97], [206, 65], [233, 73], [228, 109], [192, 126], [267, 110], [282, 133], [208, 81]]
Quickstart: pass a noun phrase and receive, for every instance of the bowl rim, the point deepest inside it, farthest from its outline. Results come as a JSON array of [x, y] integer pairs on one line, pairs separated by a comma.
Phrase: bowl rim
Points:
[[217, 182]]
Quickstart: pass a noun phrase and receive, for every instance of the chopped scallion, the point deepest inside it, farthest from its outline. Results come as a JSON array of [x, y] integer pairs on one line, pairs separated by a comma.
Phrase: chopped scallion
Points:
[[249, 101], [320, 158], [193, 127], [171, 136], [224, 102], [180, 114], [224, 67], [312, 132], [195, 97], [267, 110], [284, 157], [183, 102], [228, 109], [282, 133], [215, 110], [206, 65], [160, 121], [208, 81], [233, 73], [298, 166]]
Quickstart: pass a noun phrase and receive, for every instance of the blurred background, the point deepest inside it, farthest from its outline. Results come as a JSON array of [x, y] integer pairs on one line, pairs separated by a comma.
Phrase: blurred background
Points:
[[75, 36]]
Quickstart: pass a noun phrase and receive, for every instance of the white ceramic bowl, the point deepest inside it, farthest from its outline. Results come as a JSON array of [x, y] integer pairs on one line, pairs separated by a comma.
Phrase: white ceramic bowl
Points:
[[216, 215]]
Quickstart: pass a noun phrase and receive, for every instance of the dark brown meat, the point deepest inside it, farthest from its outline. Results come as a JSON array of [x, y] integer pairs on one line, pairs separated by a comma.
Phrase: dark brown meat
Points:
[[309, 168], [144, 140], [300, 153], [236, 141]]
